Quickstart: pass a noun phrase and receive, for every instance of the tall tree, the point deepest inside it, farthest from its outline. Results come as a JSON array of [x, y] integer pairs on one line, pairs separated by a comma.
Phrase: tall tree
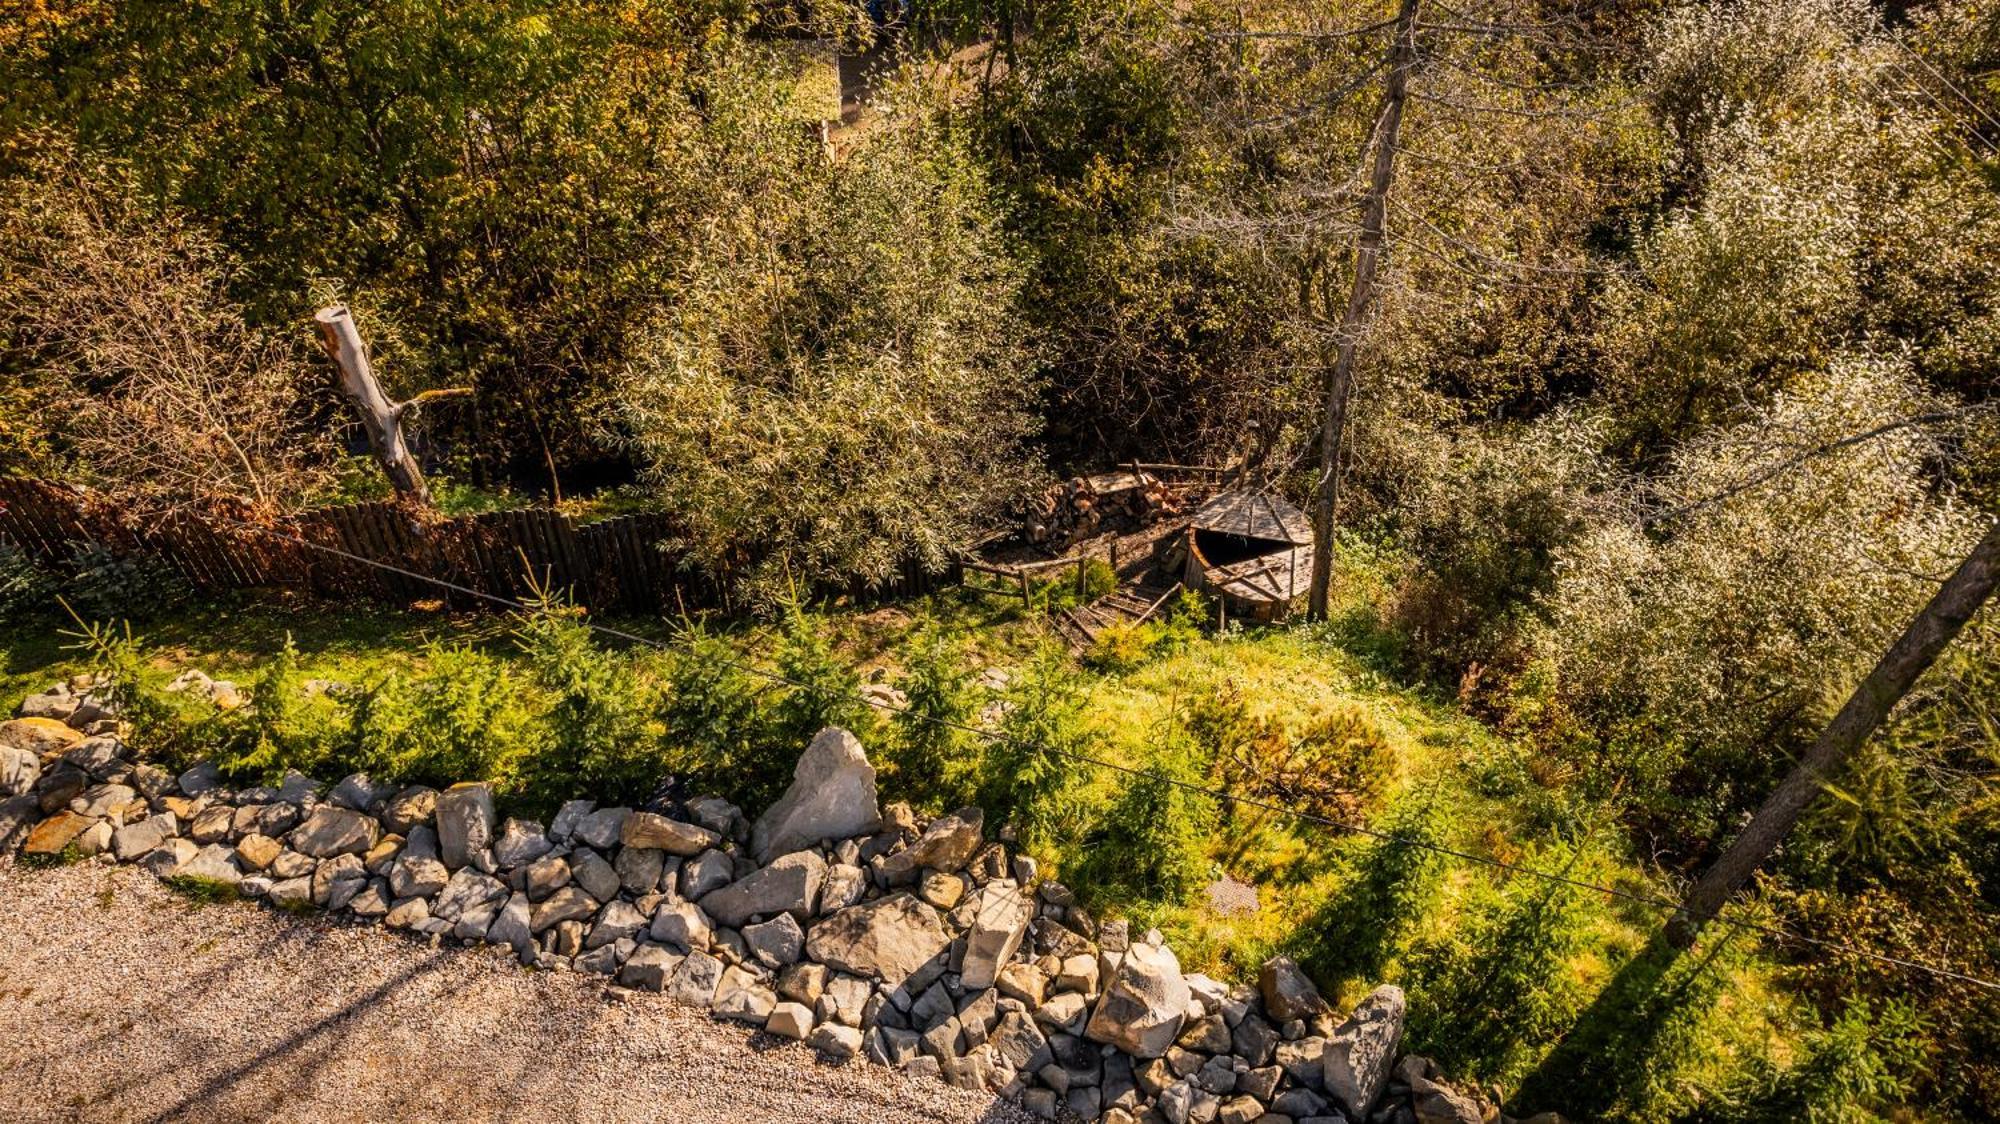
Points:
[[1360, 302]]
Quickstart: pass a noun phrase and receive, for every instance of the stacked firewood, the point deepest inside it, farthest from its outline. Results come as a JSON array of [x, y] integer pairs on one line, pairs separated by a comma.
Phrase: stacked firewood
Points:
[[1081, 507]]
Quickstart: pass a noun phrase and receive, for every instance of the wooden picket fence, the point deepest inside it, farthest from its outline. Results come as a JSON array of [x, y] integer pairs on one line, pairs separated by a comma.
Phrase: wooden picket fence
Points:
[[615, 564]]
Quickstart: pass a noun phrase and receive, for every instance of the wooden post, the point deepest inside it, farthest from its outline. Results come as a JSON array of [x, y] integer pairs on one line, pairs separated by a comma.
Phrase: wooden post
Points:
[[1027, 595], [1082, 584], [380, 417]]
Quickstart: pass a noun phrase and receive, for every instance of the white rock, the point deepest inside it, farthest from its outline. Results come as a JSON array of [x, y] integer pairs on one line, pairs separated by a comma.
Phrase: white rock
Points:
[[1359, 1056], [887, 940], [1143, 1005], [790, 1020], [1004, 913], [832, 796]]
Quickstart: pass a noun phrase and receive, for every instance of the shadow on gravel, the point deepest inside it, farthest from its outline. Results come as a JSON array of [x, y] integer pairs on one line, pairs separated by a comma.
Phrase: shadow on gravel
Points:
[[324, 1034]]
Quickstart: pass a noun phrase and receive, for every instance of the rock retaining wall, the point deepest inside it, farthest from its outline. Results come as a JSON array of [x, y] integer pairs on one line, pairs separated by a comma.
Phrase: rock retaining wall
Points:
[[858, 929]]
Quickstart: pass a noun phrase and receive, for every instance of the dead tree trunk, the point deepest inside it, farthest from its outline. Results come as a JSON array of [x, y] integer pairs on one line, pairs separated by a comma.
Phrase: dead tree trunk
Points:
[[1955, 602], [380, 417], [1367, 259]]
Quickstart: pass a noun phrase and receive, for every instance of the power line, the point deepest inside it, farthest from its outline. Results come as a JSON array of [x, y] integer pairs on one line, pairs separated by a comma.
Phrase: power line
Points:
[[1947, 82], [1650, 900]]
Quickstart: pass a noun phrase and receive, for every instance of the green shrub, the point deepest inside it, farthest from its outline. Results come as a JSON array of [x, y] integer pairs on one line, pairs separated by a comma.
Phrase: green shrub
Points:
[[464, 716], [163, 725], [1032, 775], [1387, 886], [823, 691], [600, 738], [1633, 1052], [1855, 1070], [1489, 998], [1123, 645], [1153, 842], [284, 728], [715, 722], [933, 757]]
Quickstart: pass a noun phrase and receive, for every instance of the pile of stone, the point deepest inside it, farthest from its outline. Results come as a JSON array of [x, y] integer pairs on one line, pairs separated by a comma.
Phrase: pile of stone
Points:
[[921, 946]]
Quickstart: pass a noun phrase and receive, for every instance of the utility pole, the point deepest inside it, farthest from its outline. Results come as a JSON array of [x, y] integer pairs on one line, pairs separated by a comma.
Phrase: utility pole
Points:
[[1361, 301], [1961, 595]]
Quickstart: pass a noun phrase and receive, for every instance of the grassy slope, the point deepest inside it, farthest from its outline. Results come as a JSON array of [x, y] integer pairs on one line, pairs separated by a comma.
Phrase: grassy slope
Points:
[[1287, 675]]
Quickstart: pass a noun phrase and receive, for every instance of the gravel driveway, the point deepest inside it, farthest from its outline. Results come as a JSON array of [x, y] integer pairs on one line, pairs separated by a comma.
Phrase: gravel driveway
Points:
[[120, 1000]]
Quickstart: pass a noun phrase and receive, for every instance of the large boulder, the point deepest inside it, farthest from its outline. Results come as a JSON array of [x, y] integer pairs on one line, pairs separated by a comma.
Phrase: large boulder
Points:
[[887, 940], [406, 811], [1288, 992], [1143, 1005], [468, 891], [1004, 913], [521, 842], [135, 839], [832, 796], [41, 736], [1359, 1056], [789, 885], [333, 831], [55, 833], [947, 845], [567, 904], [511, 926], [19, 770], [465, 823], [656, 832], [213, 863]]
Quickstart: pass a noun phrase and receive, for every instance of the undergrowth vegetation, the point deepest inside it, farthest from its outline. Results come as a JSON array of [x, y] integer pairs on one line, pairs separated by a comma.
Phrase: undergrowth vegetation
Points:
[[1108, 774]]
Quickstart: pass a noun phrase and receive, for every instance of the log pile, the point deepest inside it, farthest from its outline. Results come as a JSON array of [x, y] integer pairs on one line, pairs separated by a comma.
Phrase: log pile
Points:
[[1124, 501]]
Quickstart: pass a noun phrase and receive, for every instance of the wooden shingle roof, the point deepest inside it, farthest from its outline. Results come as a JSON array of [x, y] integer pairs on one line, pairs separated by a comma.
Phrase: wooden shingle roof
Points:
[[1254, 516]]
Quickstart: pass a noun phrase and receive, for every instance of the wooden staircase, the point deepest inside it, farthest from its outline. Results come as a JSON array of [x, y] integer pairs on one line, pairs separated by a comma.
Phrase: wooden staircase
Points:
[[1081, 626]]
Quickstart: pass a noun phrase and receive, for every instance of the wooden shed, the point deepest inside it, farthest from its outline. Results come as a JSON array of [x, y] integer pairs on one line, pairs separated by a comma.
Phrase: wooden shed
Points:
[[1252, 551]]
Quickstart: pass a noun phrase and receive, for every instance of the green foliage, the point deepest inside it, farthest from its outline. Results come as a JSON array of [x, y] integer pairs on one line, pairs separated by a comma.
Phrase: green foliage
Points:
[[1123, 645], [1032, 777], [464, 715], [1387, 886], [1152, 843], [600, 738], [285, 728], [1488, 999], [714, 715], [204, 891], [854, 400], [934, 758], [821, 690], [164, 725], [1634, 1052], [1850, 1072]]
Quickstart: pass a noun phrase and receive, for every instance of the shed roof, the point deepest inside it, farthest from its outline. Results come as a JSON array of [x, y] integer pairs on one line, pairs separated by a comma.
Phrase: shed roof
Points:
[[1254, 516]]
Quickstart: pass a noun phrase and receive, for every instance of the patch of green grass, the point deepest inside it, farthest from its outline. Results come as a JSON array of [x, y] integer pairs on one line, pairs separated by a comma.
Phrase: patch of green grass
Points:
[[204, 891], [68, 856]]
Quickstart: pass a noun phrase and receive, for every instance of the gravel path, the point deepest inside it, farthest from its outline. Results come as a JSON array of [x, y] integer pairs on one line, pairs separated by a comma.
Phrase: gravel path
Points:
[[120, 1000]]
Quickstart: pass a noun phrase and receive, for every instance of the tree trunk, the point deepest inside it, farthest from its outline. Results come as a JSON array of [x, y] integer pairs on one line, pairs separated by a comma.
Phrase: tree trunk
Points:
[[1367, 257], [1955, 602], [381, 418]]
